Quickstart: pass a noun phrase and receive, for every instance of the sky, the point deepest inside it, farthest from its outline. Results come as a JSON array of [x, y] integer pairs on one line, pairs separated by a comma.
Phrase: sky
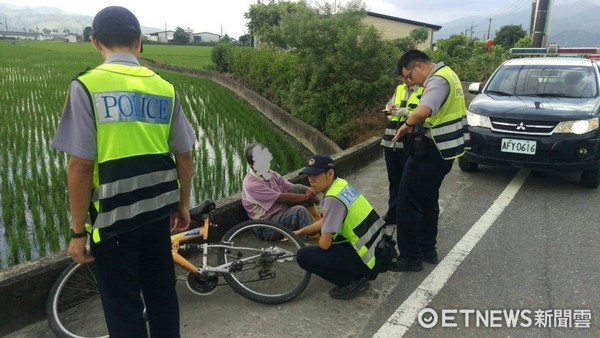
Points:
[[228, 15]]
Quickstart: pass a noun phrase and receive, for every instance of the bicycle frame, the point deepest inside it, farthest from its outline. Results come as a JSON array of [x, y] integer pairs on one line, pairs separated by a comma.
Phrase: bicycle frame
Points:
[[202, 232]]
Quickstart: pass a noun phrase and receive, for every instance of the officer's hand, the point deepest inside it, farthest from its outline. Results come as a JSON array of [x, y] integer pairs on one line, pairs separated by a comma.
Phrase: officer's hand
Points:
[[403, 130], [78, 251], [401, 112], [180, 221]]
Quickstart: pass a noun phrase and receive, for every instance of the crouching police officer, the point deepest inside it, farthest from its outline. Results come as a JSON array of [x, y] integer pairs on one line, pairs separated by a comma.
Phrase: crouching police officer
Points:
[[349, 229]]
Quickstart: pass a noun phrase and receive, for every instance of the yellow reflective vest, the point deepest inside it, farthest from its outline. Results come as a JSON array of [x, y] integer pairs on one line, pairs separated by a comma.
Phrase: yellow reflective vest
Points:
[[394, 121], [448, 127], [135, 178], [361, 225]]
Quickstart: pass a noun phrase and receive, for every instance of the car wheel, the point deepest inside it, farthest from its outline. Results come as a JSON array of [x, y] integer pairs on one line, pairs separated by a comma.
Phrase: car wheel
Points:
[[590, 178], [467, 166]]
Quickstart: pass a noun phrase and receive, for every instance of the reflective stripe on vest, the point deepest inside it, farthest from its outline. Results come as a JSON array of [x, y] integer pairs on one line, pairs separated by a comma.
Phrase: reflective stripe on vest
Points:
[[448, 127], [361, 225], [135, 178], [392, 126]]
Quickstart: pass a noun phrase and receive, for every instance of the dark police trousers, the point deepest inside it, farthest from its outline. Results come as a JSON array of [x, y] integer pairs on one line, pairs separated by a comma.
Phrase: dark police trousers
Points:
[[417, 210], [395, 159], [138, 261], [340, 264]]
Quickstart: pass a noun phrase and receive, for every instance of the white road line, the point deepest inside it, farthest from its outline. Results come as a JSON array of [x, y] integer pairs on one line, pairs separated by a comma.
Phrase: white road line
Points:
[[402, 319]]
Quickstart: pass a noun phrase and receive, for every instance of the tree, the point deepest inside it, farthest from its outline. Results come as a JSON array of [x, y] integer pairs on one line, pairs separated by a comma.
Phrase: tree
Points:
[[525, 42], [46, 31], [180, 37], [508, 35], [416, 37], [419, 35], [244, 40], [264, 20], [87, 32], [342, 65]]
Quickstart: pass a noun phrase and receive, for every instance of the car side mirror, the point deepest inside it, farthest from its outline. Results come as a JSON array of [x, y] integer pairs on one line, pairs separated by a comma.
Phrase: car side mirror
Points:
[[475, 88]]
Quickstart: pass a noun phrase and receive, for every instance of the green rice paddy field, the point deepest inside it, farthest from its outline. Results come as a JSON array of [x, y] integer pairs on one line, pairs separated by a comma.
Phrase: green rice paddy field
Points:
[[34, 78]]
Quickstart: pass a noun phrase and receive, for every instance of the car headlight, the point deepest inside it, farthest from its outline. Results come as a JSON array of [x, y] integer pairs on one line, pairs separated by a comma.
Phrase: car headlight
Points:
[[476, 120], [577, 127]]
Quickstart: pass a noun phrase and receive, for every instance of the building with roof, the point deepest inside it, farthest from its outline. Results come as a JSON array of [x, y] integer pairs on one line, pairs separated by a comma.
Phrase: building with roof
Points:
[[392, 27], [206, 37], [24, 35], [161, 37]]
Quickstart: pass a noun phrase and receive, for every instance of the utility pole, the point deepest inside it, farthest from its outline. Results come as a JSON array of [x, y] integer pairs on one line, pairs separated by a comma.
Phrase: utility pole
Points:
[[533, 5], [6, 23], [541, 24], [489, 27], [471, 35]]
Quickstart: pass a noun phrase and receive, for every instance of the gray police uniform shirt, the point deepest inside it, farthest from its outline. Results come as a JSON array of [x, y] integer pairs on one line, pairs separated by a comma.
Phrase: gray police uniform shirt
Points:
[[436, 92], [76, 132], [335, 214]]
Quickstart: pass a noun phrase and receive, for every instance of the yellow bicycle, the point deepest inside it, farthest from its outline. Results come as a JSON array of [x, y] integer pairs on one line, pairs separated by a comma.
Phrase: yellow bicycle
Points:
[[256, 258]]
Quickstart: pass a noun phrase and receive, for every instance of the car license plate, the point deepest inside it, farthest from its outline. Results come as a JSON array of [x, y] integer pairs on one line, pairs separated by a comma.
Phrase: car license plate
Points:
[[510, 145]]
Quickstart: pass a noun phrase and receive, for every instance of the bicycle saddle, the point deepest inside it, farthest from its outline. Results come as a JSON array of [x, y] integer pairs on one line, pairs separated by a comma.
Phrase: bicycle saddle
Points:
[[203, 208]]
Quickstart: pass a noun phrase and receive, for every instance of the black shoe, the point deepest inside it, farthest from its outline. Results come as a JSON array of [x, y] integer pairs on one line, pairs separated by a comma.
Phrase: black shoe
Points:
[[431, 257], [388, 220], [351, 290], [406, 264]]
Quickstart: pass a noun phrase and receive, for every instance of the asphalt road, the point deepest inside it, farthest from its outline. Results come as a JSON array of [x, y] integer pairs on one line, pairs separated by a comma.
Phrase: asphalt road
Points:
[[535, 249]]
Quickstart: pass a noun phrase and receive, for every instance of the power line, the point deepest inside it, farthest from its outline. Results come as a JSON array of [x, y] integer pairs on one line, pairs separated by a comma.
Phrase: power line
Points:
[[516, 5]]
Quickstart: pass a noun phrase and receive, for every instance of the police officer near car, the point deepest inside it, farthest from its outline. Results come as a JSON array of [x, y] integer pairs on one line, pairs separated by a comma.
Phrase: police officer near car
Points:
[[405, 100], [121, 126], [436, 134]]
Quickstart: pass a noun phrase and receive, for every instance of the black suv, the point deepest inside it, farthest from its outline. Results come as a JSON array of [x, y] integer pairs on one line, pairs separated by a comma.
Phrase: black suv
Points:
[[539, 113]]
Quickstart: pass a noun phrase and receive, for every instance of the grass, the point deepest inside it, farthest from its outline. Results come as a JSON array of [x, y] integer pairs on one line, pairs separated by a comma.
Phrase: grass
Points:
[[35, 77]]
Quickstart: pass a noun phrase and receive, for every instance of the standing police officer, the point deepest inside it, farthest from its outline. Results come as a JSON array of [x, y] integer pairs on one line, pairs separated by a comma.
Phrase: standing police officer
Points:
[[405, 100], [120, 124], [438, 133]]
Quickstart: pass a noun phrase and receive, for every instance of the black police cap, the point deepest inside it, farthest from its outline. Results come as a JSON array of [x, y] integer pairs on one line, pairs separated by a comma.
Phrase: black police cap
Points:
[[115, 19]]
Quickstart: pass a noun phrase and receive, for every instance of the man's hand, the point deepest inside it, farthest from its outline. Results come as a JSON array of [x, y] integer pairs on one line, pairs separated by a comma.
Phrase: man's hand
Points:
[[180, 221], [78, 251], [311, 196], [403, 130]]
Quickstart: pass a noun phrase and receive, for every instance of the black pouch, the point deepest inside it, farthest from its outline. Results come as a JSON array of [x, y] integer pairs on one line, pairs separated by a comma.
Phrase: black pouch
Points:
[[415, 143], [408, 141], [419, 142]]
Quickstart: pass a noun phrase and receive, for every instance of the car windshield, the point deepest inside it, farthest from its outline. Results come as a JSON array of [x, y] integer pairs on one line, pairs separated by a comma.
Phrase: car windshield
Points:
[[544, 80]]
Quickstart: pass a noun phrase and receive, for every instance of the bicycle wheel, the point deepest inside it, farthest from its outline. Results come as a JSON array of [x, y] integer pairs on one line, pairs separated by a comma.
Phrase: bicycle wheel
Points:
[[264, 267], [74, 305]]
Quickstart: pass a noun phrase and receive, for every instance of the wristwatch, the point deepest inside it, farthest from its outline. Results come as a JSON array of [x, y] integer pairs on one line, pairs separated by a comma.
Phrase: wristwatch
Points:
[[78, 235]]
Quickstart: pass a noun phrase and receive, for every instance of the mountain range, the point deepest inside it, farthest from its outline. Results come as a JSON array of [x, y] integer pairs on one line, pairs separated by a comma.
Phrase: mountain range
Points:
[[17, 18], [571, 25]]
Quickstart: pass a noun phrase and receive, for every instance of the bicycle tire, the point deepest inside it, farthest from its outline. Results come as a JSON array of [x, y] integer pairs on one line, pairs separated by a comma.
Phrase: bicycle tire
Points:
[[286, 279], [74, 303]]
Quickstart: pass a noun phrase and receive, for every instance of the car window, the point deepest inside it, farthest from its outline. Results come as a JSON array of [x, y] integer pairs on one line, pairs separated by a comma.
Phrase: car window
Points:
[[545, 80]]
